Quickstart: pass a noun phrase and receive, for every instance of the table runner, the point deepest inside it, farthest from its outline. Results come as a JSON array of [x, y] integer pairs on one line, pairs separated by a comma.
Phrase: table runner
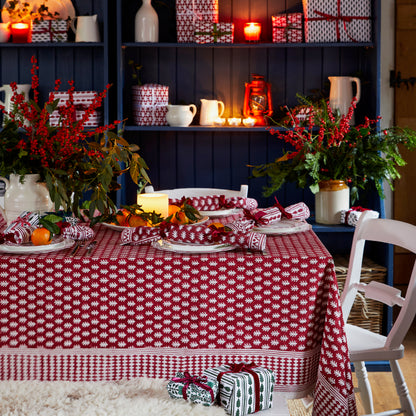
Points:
[[131, 311]]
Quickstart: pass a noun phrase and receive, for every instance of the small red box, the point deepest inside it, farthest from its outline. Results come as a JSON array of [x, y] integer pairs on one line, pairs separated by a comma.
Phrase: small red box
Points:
[[208, 32], [288, 28]]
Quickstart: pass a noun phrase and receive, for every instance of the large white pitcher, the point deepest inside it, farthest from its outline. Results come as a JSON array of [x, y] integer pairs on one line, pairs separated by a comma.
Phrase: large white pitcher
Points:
[[210, 111], [8, 92], [86, 29], [341, 93]]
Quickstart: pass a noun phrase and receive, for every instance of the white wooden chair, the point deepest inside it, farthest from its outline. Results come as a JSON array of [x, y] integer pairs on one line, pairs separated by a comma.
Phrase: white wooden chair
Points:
[[365, 345], [195, 192]]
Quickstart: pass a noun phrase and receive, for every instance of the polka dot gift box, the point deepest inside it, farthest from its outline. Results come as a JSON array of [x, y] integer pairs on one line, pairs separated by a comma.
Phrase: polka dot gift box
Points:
[[337, 20]]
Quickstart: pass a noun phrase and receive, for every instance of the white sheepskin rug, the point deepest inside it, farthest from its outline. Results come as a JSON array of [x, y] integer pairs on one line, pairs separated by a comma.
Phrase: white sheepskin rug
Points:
[[140, 397]]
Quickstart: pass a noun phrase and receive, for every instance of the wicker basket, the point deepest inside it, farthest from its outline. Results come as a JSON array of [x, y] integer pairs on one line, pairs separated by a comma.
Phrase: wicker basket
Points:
[[366, 313]]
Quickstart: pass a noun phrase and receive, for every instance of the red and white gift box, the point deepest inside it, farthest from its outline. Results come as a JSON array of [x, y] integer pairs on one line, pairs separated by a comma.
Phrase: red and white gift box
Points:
[[208, 32], [50, 31], [150, 103], [288, 28], [188, 12], [337, 20], [81, 100]]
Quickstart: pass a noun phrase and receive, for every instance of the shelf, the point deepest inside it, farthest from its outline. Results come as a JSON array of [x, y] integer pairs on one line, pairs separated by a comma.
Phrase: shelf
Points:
[[247, 45], [53, 44], [209, 129]]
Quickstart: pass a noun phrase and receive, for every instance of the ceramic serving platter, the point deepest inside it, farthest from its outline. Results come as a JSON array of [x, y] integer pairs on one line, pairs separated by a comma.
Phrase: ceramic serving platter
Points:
[[220, 212], [57, 244]]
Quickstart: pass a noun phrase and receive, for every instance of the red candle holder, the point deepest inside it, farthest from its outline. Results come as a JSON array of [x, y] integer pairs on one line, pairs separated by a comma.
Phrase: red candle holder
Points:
[[21, 32], [252, 31]]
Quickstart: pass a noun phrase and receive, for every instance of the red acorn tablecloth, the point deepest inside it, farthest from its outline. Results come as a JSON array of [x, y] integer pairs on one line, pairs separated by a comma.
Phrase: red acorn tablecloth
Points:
[[133, 311]]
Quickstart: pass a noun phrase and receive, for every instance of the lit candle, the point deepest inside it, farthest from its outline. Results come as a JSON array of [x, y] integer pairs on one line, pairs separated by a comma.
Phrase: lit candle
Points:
[[154, 202], [234, 121], [20, 32], [249, 122], [252, 31], [219, 121]]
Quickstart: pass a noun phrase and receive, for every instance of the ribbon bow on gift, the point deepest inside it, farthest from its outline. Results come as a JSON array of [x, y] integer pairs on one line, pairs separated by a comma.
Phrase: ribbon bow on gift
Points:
[[248, 368], [198, 381]]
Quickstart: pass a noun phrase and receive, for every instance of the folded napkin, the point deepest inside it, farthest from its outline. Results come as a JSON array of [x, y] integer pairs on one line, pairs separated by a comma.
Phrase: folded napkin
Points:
[[198, 234], [271, 215], [78, 232], [20, 230], [216, 202]]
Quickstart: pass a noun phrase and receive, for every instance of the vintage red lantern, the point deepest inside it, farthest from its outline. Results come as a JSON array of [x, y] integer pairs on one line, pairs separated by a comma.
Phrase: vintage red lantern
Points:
[[257, 100]]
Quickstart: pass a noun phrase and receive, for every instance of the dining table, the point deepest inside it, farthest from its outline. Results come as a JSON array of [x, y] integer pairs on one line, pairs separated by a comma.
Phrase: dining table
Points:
[[124, 311]]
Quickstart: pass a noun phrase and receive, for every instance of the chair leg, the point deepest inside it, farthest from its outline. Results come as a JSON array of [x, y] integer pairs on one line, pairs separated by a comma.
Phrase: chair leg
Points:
[[402, 390], [364, 387]]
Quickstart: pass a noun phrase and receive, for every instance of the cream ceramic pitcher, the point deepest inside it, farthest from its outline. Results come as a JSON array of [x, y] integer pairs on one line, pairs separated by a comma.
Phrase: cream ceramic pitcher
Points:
[[210, 111], [341, 93], [86, 29], [8, 94], [180, 115]]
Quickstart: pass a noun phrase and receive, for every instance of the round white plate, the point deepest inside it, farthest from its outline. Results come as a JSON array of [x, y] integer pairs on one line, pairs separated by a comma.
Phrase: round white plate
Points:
[[59, 244], [121, 227], [188, 248], [284, 227], [220, 212]]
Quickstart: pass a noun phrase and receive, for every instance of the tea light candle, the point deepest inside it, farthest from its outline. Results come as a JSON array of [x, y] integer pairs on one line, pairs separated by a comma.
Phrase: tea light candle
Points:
[[20, 32], [219, 121], [154, 202], [234, 121], [249, 122], [252, 31]]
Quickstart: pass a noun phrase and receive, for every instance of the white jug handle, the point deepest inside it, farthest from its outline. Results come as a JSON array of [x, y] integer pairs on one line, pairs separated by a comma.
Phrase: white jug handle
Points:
[[2, 211], [222, 107], [358, 85], [2, 102], [6, 181], [193, 109], [72, 24]]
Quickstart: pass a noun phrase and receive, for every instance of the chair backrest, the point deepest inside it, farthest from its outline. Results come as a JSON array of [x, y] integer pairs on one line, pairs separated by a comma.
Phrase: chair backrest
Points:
[[399, 234], [194, 192]]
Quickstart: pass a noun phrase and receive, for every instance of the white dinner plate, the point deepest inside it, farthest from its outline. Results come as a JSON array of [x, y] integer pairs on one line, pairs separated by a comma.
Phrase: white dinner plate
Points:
[[220, 212], [284, 227], [189, 248], [57, 244], [121, 227]]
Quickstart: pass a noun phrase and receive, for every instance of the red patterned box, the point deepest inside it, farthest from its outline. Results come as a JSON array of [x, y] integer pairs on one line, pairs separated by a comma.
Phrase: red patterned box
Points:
[[188, 12], [82, 99], [288, 28], [337, 20], [50, 31], [150, 104], [208, 32]]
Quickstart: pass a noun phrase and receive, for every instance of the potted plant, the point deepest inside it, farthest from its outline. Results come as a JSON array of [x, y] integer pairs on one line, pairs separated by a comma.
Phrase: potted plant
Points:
[[73, 161], [323, 147]]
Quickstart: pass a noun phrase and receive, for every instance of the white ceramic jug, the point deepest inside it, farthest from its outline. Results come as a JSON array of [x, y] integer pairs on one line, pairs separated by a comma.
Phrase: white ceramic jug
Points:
[[27, 196], [8, 93], [341, 93], [86, 29], [180, 115], [210, 111]]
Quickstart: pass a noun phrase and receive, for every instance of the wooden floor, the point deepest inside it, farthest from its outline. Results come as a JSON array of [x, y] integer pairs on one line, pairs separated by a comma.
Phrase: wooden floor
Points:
[[382, 383]]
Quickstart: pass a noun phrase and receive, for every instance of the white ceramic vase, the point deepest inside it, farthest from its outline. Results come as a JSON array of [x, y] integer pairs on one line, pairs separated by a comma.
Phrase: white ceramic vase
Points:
[[28, 195], [146, 24], [332, 198]]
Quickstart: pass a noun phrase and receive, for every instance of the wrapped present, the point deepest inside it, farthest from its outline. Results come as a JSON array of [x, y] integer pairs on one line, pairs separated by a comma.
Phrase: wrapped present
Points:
[[208, 32], [243, 388], [288, 28], [215, 202], [150, 103], [20, 229], [50, 31], [352, 215], [188, 12], [78, 232], [193, 388], [337, 20], [81, 101]]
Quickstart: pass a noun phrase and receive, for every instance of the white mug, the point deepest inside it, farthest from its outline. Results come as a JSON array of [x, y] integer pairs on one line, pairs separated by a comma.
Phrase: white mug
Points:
[[210, 111], [86, 29]]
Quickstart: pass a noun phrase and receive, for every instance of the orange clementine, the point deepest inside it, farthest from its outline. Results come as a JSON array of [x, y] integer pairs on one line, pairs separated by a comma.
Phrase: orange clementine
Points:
[[136, 221], [180, 218], [41, 236], [121, 217], [173, 209], [217, 225]]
